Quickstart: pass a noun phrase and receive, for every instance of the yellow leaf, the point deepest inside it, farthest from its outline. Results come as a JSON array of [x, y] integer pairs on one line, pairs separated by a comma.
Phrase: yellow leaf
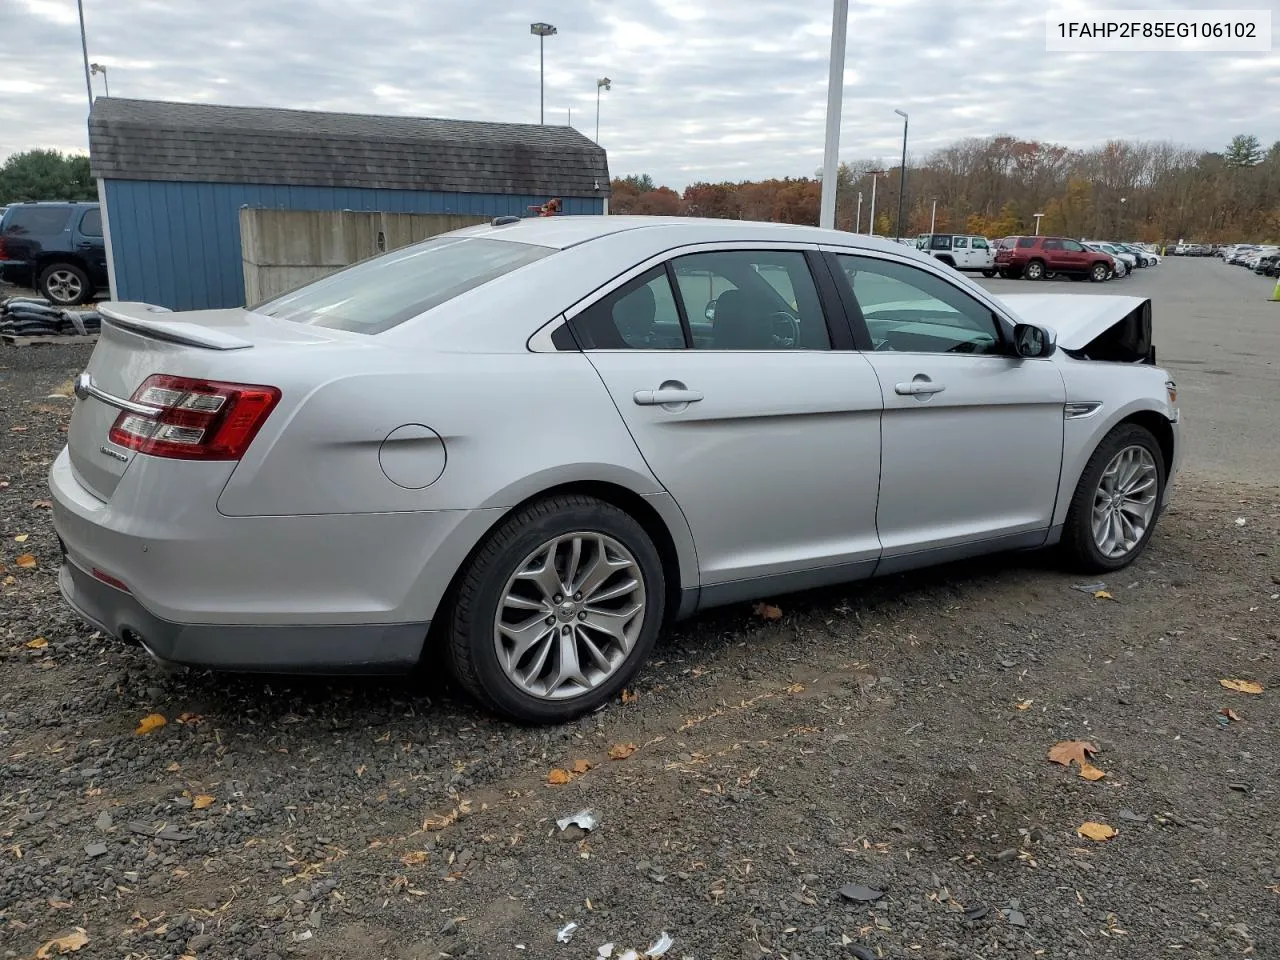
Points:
[[1024, 704], [174, 767], [1230, 714], [796, 688], [189, 718], [582, 766], [767, 611], [1078, 752], [202, 801], [9, 581], [1096, 831], [414, 858], [558, 777], [620, 751], [39, 643], [26, 561], [60, 945], [630, 696], [1102, 595], [1240, 686], [152, 721], [21, 538], [1090, 772]]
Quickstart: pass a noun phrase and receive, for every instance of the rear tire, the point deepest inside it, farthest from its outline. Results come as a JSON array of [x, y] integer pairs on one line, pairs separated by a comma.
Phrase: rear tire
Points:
[[65, 285], [1091, 502], [1034, 270], [988, 274], [530, 689]]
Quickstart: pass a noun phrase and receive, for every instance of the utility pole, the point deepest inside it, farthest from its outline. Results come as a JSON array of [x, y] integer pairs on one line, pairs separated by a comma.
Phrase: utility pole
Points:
[[902, 181], [835, 93], [84, 48]]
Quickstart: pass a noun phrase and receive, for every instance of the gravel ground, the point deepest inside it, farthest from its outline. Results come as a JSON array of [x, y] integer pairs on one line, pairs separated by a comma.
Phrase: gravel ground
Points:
[[891, 737]]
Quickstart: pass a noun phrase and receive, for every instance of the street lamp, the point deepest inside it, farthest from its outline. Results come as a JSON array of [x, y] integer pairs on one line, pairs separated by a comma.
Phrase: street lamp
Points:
[[604, 83], [933, 216], [858, 221], [902, 187], [84, 48], [99, 68], [835, 92], [871, 228], [541, 31], [1037, 216]]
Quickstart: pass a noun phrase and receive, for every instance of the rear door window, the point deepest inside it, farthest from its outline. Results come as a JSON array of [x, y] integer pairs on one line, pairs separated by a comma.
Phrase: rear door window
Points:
[[960, 243], [35, 221], [639, 315], [91, 223]]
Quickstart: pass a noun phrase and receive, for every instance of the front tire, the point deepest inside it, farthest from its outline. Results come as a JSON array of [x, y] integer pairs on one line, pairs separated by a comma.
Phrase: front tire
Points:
[[557, 610], [1099, 272], [1034, 270], [1117, 501]]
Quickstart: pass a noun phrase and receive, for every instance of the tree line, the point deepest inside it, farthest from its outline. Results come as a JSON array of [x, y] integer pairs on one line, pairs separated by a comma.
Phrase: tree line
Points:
[[46, 175], [994, 186]]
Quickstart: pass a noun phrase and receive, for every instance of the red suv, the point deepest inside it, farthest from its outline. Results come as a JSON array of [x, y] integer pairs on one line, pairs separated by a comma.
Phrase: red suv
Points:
[[1038, 257]]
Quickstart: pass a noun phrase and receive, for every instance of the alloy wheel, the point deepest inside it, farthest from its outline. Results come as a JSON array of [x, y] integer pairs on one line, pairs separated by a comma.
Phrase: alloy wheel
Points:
[[1124, 501], [570, 615], [64, 286]]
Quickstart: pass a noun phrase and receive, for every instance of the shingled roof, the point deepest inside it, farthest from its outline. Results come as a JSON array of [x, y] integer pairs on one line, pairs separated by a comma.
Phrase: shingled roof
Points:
[[159, 140]]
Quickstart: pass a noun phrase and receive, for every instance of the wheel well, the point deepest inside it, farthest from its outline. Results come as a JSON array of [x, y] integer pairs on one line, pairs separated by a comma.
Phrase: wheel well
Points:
[[946, 258], [632, 503], [47, 260], [1160, 429]]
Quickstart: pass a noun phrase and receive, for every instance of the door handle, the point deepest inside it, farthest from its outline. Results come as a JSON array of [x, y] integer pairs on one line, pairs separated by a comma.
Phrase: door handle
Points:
[[918, 388], [665, 395], [85, 245]]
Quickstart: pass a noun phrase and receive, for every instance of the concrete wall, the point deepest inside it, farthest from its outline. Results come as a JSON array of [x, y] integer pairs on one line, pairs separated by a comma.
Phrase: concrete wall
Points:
[[283, 249]]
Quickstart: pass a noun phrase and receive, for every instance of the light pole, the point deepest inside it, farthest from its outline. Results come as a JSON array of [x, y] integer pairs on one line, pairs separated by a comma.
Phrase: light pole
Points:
[[541, 31], [84, 48], [1120, 225], [99, 68], [902, 186], [933, 215], [604, 83], [871, 228], [835, 92], [858, 227], [1037, 216]]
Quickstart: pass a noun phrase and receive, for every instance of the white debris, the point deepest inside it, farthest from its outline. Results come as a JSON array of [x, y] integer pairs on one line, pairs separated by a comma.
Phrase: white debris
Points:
[[583, 818], [604, 951], [565, 934], [661, 945]]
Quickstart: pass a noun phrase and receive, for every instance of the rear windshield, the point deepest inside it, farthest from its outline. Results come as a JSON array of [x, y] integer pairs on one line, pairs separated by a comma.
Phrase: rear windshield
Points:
[[377, 294], [35, 221]]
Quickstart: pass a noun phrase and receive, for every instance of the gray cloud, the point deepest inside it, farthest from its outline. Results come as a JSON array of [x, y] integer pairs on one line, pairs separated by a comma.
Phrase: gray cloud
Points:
[[703, 89]]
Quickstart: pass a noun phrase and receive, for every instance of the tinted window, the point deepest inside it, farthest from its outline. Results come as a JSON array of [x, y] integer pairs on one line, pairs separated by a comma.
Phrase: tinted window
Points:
[[91, 223], [1071, 245], [641, 315], [377, 294], [939, 242], [960, 243], [1053, 244], [751, 300], [1025, 242], [911, 310], [35, 221]]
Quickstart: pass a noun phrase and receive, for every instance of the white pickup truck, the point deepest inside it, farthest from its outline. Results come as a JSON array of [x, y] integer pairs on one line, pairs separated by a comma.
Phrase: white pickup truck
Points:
[[964, 251]]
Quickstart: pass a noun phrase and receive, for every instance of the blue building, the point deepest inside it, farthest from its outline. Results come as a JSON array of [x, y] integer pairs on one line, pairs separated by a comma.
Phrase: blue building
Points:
[[172, 178]]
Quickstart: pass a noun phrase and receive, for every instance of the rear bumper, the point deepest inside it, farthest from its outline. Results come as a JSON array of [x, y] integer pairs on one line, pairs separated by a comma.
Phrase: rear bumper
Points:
[[17, 272], [272, 648]]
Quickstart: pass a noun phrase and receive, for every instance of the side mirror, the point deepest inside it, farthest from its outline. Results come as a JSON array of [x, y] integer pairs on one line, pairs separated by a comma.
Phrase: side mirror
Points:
[[710, 312], [1032, 342]]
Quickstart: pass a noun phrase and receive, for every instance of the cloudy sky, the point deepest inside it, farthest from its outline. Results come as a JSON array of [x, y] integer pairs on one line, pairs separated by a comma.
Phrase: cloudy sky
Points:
[[702, 89]]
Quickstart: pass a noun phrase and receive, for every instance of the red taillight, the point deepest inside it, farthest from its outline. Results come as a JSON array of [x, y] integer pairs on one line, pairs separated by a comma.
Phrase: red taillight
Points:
[[197, 419], [109, 580], [4, 253]]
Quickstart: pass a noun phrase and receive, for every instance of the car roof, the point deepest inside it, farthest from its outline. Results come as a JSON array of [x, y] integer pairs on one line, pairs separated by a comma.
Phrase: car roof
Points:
[[20, 204], [564, 231]]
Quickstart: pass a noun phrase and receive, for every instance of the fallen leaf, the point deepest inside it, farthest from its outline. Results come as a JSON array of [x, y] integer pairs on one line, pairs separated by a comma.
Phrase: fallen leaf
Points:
[[9, 581], [59, 904], [202, 801], [152, 721], [39, 643], [1225, 711], [1078, 752], [414, 858], [1024, 704], [18, 429], [360, 770], [620, 751], [582, 766], [189, 718], [630, 696], [26, 561], [60, 945], [767, 611], [439, 821], [21, 538], [558, 777], [42, 504], [796, 688], [174, 767], [1102, 595], [1240, 686], [1096, 831]]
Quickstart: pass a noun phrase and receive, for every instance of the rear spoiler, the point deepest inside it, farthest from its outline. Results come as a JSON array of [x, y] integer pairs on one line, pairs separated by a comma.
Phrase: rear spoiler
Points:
[[145, 318]]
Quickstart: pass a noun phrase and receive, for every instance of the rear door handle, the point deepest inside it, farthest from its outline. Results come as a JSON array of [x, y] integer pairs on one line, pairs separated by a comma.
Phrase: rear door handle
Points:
[[85, 245], [665, 395], [918, 388]]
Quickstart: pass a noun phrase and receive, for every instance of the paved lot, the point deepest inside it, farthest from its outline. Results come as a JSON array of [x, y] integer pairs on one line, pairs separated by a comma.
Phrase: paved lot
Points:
[[891, 736], [1218, 334]]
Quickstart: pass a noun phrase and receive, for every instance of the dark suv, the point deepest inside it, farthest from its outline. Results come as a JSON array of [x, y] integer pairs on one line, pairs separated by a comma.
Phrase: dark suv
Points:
[[1038, 257], [55, 247]]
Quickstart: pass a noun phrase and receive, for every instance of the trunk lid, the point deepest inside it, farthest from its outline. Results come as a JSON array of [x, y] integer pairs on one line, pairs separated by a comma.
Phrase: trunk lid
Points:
[[138, 340]]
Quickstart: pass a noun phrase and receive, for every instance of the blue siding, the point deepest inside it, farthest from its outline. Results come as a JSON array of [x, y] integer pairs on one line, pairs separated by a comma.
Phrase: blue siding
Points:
[[178, 244]]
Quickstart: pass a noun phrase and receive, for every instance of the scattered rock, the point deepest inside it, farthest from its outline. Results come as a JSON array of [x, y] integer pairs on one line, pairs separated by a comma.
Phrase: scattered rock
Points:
[[1004, 856], [104, 821], [201, 941], [95, 849], [860, 894]]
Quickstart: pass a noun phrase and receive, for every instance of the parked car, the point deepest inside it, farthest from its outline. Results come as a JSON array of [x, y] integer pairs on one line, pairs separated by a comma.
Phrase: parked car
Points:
[[1117, 252], [1269, 265], [459, 518], [963, 251], [1241, 253], [57, 248], [1034, 258], [1120, 267]]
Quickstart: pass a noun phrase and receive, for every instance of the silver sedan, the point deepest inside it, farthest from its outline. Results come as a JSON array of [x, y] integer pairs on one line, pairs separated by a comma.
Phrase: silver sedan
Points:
[[523, 448]]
